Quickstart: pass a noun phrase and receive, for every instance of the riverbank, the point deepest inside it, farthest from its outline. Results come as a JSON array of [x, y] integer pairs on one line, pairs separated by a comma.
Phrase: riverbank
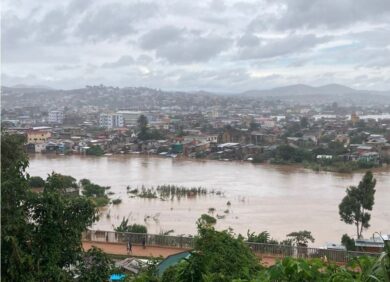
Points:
[[316, 167]]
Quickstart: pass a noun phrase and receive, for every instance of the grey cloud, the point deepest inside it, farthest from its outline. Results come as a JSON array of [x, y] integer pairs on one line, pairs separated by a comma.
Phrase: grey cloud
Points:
[[161, 36], [248, 40], [59, 40], [121, 62], [144, 59], [182, 45], [270, 48], [196, 49], [331, 13], [114, 20]]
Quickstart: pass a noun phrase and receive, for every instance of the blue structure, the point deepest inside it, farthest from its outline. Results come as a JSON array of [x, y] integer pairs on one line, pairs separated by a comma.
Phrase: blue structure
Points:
[[117, 277], [170, 261]]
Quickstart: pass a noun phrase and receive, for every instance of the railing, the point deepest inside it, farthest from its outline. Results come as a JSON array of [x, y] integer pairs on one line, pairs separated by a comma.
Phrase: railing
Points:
[[138, 238], [264, 249]]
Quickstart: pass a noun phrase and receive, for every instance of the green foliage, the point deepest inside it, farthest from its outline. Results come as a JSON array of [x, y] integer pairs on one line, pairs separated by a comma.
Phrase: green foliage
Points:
[[301, 238], [348, 242], [262, 237], [289, 154], [94, 265], [95, 192], [92, 190], [95, 151], [16, 259], [145, 133], [36, 182], [206, 220], [59, 182], [354, 207], [132, 228], [218, 256], [41, 233]]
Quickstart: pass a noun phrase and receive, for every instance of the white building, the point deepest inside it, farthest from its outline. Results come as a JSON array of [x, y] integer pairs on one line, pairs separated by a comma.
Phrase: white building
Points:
[[111, 120], [130, 118], [56, 117]]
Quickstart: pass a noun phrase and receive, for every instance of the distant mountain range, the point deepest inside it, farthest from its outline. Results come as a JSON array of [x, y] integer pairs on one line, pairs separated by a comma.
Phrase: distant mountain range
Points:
[[24, 95], [304, 90]]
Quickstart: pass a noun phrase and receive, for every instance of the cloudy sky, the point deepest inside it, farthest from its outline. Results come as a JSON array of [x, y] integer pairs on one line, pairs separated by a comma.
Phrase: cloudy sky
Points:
[[216, 45]]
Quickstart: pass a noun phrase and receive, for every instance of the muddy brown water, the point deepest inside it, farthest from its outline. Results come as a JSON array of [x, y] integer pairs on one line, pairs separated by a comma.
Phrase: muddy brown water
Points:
[[279, 199]]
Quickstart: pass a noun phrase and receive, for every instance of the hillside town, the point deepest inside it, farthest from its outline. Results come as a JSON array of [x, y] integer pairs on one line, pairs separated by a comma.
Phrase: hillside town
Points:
[[328, 136]]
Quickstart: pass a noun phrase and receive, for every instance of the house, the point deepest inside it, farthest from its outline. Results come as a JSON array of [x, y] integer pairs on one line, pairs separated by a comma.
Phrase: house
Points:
[[232, 135], [373, 244], [369, 157], [38, 136]]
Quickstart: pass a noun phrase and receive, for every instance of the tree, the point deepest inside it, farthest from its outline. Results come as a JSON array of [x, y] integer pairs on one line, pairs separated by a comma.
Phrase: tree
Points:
[[57, 181], [217, 256], [354, 207], [301, 238], [348, 242], [206, 220], [143, 127], [95, 265], [132, 228], [41, 233], [95, 151], [36, 182], [304, 122], [262, 237], [16, 259]]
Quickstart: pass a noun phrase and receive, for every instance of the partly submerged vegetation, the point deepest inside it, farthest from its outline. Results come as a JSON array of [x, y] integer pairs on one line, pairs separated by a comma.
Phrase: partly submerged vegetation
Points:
[[171, 192], [124, 226]]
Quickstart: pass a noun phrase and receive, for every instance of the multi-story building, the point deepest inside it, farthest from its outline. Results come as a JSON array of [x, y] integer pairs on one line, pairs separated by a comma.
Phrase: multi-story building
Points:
[[56, 117], [130, 118], [38, 136], [111, 120]]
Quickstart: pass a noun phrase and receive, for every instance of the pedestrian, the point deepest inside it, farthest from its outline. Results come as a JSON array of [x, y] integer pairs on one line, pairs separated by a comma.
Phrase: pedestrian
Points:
[[129, 247], [143, 243]]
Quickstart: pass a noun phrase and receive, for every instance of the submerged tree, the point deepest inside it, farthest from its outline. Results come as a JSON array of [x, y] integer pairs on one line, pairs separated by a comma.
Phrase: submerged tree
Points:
[[354, 207], [301, 238]]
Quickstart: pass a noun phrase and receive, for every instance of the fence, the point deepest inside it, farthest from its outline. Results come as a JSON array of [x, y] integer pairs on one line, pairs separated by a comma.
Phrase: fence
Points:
[[137, 238], [273, 250]]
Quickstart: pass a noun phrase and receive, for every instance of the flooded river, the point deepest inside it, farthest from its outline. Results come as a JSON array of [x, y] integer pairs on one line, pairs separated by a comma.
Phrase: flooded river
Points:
[[279, 199]]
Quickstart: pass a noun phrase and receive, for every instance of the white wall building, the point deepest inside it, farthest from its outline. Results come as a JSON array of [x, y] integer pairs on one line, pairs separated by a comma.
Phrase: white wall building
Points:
[[56, 117], [111, 120], [130, 118]]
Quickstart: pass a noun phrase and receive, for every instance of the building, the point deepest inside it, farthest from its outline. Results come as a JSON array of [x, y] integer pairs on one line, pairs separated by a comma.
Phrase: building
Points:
[[111, 120], [354, 118], [56, 117], [130, 118], [38, 136], [375, 244]]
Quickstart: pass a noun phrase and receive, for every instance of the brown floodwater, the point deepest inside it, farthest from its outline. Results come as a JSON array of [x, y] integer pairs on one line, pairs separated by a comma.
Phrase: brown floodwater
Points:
[[279, 199]]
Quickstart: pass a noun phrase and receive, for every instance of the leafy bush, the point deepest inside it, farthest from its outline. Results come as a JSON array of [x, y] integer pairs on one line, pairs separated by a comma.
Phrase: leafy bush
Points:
[[133, 228], [116, 201], [36, 182], [95, 151]]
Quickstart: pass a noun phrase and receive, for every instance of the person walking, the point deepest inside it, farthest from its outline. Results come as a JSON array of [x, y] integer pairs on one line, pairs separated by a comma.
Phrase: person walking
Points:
[[129, 246], [143, 243]]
